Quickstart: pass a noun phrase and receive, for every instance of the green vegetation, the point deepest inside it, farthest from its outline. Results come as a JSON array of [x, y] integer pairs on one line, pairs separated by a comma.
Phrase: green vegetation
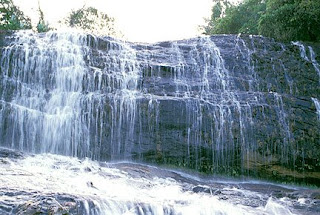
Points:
[[87, 19], [92, 20], [12, 18], [283, 20], [42, 25]]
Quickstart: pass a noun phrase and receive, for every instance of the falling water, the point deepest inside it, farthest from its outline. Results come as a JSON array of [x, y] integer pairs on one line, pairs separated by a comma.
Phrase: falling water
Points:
[[206, 103], [312, 58], [53, 184], [314, 62], [317, 104], [44, 108], [56, 101], [302, 49], [78, 95]]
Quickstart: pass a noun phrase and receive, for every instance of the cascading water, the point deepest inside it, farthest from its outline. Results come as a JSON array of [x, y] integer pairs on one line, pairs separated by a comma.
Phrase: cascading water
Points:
[[43, 113], [202, 106], [317, 104], [303, 54], [231, 105], [314, 62], [53, 184], [57, 103]]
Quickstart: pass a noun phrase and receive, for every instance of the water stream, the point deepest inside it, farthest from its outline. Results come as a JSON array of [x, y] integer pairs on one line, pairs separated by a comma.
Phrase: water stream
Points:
[[75, 101], [48, 183]]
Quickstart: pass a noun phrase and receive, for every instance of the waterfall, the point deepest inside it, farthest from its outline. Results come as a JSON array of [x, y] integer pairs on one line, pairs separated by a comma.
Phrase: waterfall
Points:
[[57, 101], [84, 117], [314, 62], [317, 104], [312, 58], [64, 185], [43, 77], [223, 104], [302, 49], [207, 96]]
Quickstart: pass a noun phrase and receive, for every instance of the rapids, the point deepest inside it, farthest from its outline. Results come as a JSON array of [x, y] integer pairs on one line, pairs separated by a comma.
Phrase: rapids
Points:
[[55, 184], [87, 123]]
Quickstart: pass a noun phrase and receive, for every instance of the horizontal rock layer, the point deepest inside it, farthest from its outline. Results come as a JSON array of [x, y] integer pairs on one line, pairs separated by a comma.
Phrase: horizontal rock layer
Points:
[[236, 105]]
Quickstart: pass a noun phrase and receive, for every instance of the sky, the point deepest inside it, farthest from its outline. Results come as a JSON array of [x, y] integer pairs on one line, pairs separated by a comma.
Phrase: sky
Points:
[[138, 20]]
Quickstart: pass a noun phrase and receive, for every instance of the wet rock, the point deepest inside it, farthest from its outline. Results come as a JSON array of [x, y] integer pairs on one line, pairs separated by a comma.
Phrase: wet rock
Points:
[[9, 153], [226, 104], [223, 198], [200, 189]]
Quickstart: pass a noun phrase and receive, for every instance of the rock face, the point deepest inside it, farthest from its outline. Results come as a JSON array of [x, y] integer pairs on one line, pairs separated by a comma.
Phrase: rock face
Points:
[[55, 184], [235, 105]]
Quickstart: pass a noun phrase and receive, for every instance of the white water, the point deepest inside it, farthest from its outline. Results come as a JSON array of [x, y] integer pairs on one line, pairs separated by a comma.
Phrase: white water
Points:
[[314, 62], [85, 96], [303, 52], [317, 104], [129, 189], [312, 58], [90, 109], [47, 109], [58, 99]]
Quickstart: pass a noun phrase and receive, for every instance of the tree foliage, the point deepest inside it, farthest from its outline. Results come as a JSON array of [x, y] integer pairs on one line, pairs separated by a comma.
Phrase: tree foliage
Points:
[[42, 25], [281, 19], [12, 18], [85, 18], [217, 12], [92, 20]]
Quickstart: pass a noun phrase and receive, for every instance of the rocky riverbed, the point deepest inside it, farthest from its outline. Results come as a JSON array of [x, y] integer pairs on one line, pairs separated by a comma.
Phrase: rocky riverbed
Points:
[[54, 184]]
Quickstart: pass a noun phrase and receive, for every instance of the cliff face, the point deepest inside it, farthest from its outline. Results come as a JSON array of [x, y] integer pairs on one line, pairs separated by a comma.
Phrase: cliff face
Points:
[[228, 104]]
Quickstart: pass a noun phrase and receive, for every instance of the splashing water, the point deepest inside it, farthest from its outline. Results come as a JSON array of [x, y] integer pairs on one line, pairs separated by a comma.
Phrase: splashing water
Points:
[[52, 183], [314, 62], [317, 104], [57, 101], [303, 52], [197, 103]]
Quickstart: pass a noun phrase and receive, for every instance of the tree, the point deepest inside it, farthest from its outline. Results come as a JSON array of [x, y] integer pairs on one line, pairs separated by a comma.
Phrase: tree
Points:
[[307, 17], [291, 20], [12, 18], [235, 19], [42, 25], [283, 20], [218, 11], [92, 20]]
